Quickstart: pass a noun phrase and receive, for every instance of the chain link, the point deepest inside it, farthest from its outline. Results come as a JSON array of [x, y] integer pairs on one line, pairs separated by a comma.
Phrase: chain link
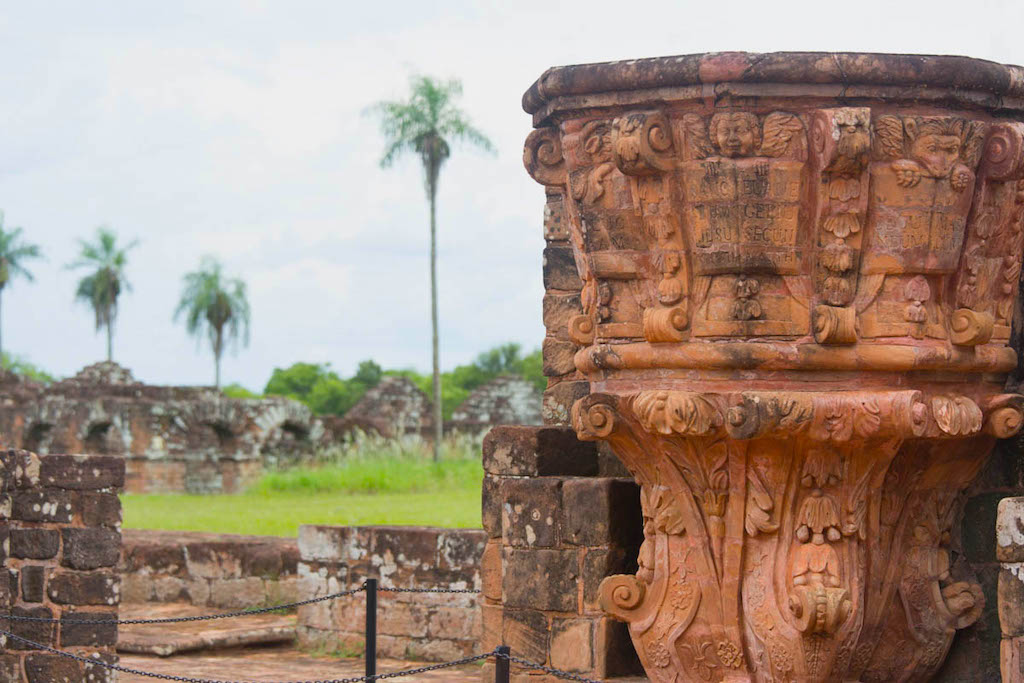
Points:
[[178, 620], [186, 679], [546, 669], [382, 589]]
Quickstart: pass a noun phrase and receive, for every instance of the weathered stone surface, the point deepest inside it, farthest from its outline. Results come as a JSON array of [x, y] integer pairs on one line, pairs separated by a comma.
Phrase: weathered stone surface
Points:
[[526, 632], [41, 506], [84, 588], [394, 407], [87, 635], [764, 277], [560, 269], [33, 582], [41, 632], [572, 644], [602, 511], [506, 400], [525, 451], [557, 402], [557, 357], [490, 505], [491, 570], [540, 579], [1011, 600], [1010, 530], [91, 548], [82, 472], [34, 544], [49, 668], [99, 509], [532, 512]]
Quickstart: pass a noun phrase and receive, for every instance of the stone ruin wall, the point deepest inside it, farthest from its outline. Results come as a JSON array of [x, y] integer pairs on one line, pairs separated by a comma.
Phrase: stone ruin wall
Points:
[[60, 541], [427, 626], [195, 440]]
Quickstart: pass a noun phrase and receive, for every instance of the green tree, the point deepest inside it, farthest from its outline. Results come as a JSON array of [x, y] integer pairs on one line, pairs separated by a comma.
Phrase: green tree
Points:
[[14, 252], [101, 288], [297, 380], [425, 125], [216, 307]]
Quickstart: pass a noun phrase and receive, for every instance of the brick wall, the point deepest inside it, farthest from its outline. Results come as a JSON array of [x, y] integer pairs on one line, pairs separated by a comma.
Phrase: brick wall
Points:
[[555, 529], [211, 570], [60, 525], [432, 627]]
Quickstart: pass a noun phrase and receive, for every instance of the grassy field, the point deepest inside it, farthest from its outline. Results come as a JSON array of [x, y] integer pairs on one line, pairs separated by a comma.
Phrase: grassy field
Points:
[[368, 481]]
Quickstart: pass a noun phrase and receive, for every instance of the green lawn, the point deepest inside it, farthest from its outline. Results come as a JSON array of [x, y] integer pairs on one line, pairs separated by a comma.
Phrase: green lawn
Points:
[[281, 513]]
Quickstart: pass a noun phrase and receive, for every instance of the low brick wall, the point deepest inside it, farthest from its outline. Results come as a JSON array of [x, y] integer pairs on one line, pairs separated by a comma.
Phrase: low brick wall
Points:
[[431, 627], [210, 570], [60, 540]]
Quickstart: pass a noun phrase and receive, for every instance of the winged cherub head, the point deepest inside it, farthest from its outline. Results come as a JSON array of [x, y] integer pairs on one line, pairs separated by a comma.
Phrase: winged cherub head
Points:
[[935, 143], [736, 134]]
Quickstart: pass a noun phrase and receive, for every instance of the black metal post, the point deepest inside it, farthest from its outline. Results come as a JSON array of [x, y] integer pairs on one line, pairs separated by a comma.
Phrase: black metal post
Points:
[[502, 670], [371, 627]]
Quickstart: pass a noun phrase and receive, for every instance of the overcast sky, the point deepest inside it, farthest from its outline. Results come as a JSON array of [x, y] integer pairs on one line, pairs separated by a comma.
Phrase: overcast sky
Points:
[[236, 129]]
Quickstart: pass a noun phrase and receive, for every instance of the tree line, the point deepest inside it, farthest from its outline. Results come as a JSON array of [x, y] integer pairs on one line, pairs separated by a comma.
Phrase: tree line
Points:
[[327, 393]]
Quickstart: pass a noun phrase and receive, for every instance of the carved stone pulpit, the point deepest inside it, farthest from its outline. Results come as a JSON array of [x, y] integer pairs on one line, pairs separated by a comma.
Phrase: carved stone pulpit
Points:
[[799, 277]]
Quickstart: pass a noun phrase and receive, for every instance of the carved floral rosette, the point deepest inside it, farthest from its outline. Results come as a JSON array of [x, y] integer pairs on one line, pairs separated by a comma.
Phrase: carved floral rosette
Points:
[[795, 321]]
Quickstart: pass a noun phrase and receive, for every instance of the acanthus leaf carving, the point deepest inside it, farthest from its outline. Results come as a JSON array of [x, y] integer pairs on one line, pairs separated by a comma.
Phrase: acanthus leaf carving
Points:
[[642, 143]]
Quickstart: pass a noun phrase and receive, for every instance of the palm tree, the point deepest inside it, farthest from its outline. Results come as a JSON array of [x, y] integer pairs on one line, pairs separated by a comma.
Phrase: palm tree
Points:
[[216, 307], [13, 254], [424, 124], [101, 288]]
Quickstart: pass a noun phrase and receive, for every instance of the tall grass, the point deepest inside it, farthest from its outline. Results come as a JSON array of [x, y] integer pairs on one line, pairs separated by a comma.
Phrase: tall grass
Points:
[[372, 464]]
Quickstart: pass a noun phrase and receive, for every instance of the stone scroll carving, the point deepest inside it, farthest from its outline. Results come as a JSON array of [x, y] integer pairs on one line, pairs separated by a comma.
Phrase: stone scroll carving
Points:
[[796, 309]]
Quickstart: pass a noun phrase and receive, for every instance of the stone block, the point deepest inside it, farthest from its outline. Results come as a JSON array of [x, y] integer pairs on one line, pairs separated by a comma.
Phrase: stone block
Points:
[[491, 620], [236, 593], [41, 632], [91, 548], [82, 472], [454, 623], [263, 561], [8, 588], [88, 635], [159, 558], [609, 464], [1011, 652], [490, 505], [557, 402], [1010, 530], [214, 560], [558, 309], [332, 543], [532, 512], [10, 668], [572, 644], [84, 588], [556, 227], [405, 553], [42, 667], [33, 583], [18, 470], [560, 269], [99, 509], [402, 619], [526, 633], [34, 544], [490, 570], [41, 506], [458, 552], [602, 511], [1011, 600], [540, 578], [558, 357], [537, 452]]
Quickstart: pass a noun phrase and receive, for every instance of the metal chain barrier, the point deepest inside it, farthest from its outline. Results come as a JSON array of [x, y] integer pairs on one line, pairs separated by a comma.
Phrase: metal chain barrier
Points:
[[178, 620], [371, 587]]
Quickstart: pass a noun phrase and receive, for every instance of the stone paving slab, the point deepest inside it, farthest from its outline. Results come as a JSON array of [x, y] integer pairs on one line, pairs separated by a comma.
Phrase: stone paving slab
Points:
[[165, 640], [281, 663]]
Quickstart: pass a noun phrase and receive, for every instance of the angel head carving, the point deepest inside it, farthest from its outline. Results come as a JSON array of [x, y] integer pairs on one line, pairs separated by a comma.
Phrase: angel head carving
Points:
[[597, 136], [735, 134], [935, 143]]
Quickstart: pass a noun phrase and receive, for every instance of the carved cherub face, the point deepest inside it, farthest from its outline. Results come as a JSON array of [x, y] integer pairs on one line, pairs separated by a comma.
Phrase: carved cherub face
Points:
[[736, 134], [935, 144]]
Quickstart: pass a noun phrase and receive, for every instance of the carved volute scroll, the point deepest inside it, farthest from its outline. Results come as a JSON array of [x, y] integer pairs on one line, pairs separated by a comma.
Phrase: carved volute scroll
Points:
[[796, 312]]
